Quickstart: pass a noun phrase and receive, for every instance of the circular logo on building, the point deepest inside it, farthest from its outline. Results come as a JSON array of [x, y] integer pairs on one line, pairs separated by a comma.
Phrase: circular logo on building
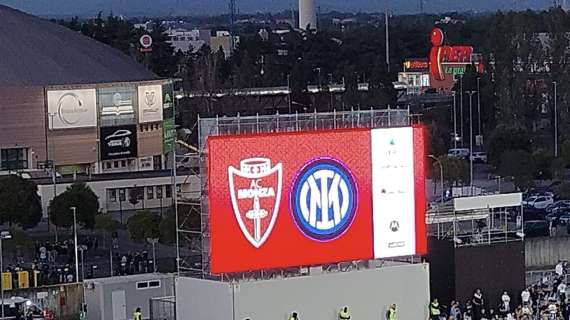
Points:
[[323, 199], [146, 41], [70, 109]]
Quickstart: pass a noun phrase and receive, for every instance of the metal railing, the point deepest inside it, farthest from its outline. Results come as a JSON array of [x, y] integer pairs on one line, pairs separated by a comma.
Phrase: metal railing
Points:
[[163, 308]]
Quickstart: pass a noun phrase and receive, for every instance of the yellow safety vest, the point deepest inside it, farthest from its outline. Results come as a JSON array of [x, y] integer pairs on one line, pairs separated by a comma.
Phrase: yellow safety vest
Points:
[[137, 316], [344, 315], [434, 309], [391, 314]]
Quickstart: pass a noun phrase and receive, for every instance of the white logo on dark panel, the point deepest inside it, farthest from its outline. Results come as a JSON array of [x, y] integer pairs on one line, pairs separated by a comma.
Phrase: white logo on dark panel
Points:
[[119, 139]]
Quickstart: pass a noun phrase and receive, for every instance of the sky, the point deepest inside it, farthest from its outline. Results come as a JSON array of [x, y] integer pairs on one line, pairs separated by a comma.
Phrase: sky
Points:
[[213, 7]]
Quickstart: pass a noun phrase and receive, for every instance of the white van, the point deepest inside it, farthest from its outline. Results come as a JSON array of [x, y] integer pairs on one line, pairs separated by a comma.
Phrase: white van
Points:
[[458, 153]]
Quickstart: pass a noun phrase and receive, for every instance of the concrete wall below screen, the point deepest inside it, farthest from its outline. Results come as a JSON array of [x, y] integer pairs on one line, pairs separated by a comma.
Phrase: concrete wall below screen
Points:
[[368, 293], [546, 252]]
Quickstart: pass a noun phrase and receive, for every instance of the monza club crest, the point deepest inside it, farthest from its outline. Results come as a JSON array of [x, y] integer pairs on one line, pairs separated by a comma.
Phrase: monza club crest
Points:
[[255, 191]]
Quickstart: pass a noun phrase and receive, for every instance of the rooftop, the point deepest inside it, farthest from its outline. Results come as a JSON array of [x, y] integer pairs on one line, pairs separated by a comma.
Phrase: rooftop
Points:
[[37, 52]]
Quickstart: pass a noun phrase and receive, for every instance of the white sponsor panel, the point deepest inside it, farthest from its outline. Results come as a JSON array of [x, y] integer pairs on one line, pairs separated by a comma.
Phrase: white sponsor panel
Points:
[[69, 109], [150, 103], [393, 205]]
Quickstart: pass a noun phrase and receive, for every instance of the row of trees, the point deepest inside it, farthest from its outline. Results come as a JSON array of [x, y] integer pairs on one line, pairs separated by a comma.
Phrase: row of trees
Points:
[[20, 206]]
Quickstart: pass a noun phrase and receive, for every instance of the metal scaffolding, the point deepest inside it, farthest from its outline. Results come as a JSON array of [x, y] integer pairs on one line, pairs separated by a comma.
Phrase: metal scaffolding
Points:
[[194, 235]]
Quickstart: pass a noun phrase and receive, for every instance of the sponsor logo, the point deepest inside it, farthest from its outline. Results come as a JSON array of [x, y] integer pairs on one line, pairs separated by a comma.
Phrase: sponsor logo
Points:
[[70, 108], [150, 105], [119, 139], [121, 106], [394, 226], [255, 191], [323, 199]]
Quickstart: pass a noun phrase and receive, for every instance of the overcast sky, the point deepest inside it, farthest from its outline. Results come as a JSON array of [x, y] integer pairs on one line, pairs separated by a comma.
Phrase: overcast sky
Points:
[[209, 7]]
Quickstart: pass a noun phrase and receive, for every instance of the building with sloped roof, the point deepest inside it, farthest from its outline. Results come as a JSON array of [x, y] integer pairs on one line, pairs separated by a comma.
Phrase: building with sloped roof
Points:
[[73, 102]]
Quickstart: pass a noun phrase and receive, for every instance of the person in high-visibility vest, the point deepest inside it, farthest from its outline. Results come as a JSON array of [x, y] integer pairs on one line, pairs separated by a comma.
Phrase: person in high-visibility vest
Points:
[[138, 314], [434, 310], [294, 316], [391, 313], [344, 314]]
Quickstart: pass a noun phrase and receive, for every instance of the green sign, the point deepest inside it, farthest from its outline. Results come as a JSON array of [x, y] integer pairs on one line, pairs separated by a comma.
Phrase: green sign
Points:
[[456, 71], [168, 134]]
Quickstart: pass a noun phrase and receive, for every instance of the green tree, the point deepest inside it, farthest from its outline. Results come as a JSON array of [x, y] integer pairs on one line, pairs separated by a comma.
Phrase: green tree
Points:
[[107, 224], [143, 225], [80, 196], [168, 229], [455, 170], [19, 202], [519, 165], [563, 190]]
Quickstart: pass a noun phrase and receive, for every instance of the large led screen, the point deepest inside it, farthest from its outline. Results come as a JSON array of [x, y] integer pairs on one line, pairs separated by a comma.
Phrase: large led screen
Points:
[[309, 198]]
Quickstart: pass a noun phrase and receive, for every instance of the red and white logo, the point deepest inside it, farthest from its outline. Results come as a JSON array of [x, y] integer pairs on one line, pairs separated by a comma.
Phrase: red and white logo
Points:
[[255, 191]]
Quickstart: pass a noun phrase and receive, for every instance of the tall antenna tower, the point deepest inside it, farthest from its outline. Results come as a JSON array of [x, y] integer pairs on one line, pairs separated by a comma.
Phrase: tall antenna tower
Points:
[[421, 6], [232, 14]]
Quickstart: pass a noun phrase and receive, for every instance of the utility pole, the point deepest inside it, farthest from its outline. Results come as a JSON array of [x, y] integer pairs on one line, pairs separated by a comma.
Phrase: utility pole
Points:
[[387, 42], [454, 120], [470, 93], [461, 109], [555, 119]]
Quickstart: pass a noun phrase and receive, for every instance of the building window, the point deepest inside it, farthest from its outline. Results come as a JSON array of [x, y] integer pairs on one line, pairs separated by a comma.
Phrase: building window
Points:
[[150, 193], [108, 164], [123, 163], [14, 159], [113, 195], [159, 192], [122, 196], [168, 191], [142, 285], [154, 284], [116, 164]]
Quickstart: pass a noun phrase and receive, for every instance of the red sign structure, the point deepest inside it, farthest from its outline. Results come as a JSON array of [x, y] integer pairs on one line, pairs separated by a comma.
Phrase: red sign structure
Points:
[[304, 198], [441, 54]]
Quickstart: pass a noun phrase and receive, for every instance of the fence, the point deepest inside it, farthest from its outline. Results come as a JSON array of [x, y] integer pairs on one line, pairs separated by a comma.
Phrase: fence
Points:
[[163, 308]]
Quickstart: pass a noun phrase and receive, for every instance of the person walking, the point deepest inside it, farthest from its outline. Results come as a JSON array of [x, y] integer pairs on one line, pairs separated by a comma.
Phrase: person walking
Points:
[[391, 313], [344, 313], [137, 315], [506, 303], [294, 316]]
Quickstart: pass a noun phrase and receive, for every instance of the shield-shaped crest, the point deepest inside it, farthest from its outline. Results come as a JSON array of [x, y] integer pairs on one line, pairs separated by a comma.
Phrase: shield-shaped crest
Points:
[[150, 99], [255, 191]]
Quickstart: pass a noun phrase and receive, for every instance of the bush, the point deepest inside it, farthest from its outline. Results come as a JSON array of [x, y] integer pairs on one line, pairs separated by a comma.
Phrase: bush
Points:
[[143, 225]]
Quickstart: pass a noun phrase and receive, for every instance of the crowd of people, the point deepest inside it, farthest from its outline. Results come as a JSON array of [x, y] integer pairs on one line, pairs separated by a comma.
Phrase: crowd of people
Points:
[[544, 300], [128, 264]]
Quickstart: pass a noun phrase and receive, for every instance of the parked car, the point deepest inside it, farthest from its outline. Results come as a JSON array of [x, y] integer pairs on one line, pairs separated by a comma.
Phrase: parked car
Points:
[[479, 157], [559, 205], [565, 218], [536, 228], [538, 202], [555, 216], [458, 153]]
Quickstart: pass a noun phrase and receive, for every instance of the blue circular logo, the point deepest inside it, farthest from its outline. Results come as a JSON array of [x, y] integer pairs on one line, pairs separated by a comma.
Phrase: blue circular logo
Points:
[[323, 199]]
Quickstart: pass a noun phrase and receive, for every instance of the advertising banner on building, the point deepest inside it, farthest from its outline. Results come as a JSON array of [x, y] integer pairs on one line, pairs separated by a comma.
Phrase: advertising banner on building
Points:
[[69, 109], [150, 103], [168, 134], [117, 105], [118, 142], [304, 198]]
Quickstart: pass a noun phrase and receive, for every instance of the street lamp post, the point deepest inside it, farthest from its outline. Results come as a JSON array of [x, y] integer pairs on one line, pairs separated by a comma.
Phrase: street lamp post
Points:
[[440, 174], [4, 235], [82, 248], [470, 93], [555, 119], [153, 242], [454, 120], [478, 106], [74, 209], [461, 108]]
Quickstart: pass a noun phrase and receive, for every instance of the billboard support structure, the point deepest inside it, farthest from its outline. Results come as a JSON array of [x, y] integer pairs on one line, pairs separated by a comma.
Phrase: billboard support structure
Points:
[[190, 237]]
